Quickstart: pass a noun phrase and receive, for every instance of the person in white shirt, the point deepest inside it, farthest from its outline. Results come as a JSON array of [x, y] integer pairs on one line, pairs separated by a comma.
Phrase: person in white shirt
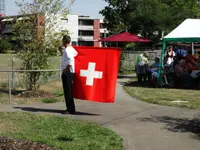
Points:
[[68, 70]]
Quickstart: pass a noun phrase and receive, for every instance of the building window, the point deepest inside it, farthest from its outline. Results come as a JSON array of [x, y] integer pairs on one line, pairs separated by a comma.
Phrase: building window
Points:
[[86, 43], [85, 33], [102, 35], [86, 22], [102, 25]]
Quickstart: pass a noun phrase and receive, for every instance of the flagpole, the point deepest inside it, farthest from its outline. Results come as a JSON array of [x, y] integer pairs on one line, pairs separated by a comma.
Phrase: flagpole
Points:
[[192, 48]]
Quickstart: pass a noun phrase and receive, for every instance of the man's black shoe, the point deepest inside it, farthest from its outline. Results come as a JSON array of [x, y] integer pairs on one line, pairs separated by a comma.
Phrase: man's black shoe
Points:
[[68, 112], [65, 112], [72, 112]]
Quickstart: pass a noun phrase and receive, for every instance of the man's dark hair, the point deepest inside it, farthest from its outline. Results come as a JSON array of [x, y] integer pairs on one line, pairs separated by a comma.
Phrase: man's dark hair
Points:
[[66, 39]]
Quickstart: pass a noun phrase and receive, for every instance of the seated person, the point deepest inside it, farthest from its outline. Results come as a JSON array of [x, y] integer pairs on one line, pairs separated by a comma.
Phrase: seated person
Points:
[[183, 77], [154, 68], [195, 74], [170, 68], [156, 64], [180, 68], [198, 58], [142, 67], [192, 65], [191, 62]]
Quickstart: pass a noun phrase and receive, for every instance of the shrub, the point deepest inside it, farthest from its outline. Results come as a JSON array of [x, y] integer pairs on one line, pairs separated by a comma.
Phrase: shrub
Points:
[[5, 45]]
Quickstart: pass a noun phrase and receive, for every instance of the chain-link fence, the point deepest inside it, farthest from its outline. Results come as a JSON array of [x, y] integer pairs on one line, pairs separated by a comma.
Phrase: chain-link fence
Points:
[[12, 76], [128, 60], [13, 81]]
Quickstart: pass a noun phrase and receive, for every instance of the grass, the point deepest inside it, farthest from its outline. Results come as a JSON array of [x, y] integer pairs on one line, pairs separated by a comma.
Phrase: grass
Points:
[[127, 72], [58, 132], [3, 97], [53, 87], [49, 100], [164, 96], [6, 61]]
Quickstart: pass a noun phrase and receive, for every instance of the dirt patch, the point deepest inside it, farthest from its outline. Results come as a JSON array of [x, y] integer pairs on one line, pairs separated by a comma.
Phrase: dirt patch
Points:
[[36, 94], [14, 144], [52, 86]]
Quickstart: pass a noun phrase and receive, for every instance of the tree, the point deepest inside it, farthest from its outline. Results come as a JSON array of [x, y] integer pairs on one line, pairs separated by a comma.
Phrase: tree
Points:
[[148, 17], [5, 45], [38, 34]]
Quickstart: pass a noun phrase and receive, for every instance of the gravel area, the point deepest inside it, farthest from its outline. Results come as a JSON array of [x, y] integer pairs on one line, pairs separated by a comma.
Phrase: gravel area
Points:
[[14, 144]]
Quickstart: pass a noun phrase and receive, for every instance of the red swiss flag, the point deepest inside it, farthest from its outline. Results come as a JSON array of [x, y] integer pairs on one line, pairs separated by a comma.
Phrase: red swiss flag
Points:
[[96, 71]]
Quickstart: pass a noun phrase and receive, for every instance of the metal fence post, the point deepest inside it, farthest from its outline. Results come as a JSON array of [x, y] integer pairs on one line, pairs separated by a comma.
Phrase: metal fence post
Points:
[[9, 88], [126, 60], [13, 74]]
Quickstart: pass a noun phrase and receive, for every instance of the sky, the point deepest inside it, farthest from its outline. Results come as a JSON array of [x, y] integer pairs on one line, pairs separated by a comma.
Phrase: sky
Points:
[[80, 7]]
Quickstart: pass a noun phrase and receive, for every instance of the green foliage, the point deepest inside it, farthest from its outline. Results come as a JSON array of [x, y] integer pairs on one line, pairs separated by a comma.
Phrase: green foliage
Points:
[[122, 58], [58, 92], [5, 45], [148, 17], [49, 100], [39, 37], [130, 46]]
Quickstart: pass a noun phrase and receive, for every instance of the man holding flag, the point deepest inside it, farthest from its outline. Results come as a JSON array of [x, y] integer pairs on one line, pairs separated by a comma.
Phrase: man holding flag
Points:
[[95, 73], [68, 69]]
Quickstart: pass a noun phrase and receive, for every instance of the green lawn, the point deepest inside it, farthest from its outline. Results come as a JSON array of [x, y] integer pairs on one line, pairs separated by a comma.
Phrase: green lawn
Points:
[[6, 61], [164, 96], [58, 132]]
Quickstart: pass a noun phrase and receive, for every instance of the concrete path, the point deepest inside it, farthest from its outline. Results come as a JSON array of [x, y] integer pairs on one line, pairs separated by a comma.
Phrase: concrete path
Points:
[[143, 126]]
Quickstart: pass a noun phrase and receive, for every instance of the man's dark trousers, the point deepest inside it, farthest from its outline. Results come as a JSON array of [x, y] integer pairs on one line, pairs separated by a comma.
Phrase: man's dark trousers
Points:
[[67, 81]]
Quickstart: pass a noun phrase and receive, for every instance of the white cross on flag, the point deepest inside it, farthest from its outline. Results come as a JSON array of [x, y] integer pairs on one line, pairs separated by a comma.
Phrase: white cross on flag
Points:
[[96, 72]]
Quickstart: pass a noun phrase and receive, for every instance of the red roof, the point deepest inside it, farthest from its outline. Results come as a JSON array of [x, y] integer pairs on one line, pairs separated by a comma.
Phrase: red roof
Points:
[[124, 37], [2, 15]]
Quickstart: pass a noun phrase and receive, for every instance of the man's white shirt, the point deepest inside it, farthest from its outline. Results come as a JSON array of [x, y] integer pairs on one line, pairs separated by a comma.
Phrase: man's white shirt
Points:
[[68, 58]]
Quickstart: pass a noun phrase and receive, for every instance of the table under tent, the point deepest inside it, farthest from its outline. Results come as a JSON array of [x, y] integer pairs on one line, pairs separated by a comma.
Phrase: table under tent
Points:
[[187, 32]]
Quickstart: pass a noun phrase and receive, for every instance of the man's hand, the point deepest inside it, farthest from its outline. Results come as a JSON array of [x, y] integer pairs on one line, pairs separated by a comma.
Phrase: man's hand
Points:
[[67, 68]]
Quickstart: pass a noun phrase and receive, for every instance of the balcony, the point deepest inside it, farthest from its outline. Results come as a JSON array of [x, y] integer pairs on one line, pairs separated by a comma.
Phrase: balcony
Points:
[[104, 31], [85, 27], [86, 38]]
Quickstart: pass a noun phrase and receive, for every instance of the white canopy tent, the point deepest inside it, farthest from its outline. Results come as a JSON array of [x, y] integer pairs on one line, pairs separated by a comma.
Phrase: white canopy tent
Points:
[[188, 31]]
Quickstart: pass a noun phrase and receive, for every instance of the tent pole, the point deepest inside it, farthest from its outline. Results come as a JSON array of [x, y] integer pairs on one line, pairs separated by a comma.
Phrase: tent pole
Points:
[[192, 48], [161, 63]]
